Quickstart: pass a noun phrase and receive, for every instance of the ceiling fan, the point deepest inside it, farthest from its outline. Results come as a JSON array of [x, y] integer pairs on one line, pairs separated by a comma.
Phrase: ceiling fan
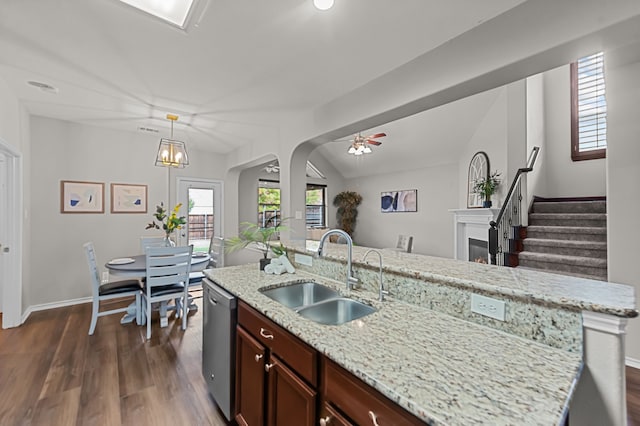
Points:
[[360, 144]]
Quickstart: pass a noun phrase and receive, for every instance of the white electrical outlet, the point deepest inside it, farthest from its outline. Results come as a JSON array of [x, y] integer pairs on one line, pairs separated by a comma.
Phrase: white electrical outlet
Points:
[[303, 259], [492, 308]]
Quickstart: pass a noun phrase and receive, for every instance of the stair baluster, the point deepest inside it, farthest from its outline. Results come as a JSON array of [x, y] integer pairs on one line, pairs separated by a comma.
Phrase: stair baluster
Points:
[[510, 215]]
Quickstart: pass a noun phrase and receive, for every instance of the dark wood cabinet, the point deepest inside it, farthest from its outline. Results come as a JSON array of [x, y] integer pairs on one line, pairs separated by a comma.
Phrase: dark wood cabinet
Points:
[[280, 380], [250, 380], [358, 401], [330, 417], [291, 401], [275, 374]]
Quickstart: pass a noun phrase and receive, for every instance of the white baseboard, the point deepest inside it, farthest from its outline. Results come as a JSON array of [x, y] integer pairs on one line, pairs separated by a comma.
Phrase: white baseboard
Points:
[[632, 362], [53, 305]]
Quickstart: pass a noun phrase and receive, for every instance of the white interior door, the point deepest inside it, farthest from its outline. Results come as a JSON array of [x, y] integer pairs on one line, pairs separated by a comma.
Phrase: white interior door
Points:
[[202, 205], [10, 236], [3, 224]]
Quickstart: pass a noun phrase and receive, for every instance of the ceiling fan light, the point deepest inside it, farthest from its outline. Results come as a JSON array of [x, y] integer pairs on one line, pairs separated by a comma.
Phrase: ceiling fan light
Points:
[[367, 150], [323, 4], [352, 150]]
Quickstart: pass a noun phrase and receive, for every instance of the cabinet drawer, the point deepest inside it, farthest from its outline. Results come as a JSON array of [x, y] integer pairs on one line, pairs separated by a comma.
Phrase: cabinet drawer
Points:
[[357, 400], [295, 353]]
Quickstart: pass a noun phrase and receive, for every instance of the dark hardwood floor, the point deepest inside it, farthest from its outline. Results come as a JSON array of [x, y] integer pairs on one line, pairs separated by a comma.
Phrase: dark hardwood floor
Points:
[[633, 396], [53, 373]]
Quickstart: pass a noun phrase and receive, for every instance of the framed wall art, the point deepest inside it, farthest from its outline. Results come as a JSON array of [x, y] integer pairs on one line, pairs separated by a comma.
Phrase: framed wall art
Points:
[[478, 169], [399, 201], [128, 198], [81, 197]]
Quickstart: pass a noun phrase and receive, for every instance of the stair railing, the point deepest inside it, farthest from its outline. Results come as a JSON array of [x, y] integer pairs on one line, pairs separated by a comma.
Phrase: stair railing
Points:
[[510, 215]]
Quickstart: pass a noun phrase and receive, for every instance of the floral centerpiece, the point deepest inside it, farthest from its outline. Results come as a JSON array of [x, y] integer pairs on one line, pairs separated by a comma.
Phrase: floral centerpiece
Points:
[[169, 222]]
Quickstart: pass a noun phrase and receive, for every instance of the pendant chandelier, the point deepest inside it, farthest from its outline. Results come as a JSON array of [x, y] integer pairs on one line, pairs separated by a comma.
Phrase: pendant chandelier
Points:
[[172, 153]]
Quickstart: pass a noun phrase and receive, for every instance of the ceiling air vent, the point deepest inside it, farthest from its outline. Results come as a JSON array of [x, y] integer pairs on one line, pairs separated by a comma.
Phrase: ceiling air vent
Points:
[[148, 129], [43, 86]]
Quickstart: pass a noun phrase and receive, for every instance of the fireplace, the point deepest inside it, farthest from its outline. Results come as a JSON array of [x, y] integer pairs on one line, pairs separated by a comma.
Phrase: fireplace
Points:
[[478, 251], [471, 224]]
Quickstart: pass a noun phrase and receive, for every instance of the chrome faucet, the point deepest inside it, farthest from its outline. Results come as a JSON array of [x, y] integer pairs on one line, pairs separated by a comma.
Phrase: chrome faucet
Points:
[[381, 290], [351, 279]]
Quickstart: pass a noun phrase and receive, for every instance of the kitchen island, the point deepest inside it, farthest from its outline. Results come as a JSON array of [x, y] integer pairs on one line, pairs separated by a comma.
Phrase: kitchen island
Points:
[[442, 369]]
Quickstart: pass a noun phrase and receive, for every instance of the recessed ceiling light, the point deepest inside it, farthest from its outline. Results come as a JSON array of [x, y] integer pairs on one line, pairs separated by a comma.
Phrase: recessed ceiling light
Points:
[[323, 4], [175, 12], [43, 86]]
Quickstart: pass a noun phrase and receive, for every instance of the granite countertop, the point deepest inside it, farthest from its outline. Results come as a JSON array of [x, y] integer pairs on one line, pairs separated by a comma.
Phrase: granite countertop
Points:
[[574, 293], [444, 370]]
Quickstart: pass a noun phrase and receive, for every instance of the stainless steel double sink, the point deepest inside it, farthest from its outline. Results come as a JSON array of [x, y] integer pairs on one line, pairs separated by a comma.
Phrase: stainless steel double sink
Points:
[[319, 303]]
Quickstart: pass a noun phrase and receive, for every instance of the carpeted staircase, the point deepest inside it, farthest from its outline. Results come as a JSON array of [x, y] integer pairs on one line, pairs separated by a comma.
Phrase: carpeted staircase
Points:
[[567, 237]]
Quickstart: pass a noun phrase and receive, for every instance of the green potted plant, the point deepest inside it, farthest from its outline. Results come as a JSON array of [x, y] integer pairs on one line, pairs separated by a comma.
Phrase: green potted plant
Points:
[[262, 237], [347, 203], [486, 187]]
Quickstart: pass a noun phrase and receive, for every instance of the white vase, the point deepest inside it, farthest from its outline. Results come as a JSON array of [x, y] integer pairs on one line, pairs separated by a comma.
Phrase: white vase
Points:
[[168, 242]]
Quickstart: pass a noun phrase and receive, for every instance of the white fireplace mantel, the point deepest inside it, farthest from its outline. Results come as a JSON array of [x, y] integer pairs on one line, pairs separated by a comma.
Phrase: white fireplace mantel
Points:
[[470, 223]]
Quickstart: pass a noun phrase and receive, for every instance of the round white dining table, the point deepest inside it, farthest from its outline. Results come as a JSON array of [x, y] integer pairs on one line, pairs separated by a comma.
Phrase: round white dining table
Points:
[[136, 267]]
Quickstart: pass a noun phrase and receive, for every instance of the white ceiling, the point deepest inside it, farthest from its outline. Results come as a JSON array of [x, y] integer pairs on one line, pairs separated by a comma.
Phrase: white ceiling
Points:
[[117, 67], [434, 137]]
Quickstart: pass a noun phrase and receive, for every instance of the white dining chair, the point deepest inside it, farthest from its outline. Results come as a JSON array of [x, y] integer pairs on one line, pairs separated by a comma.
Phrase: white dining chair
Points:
[[151, 242], [167, 279], [109, 290], [216, 251], [405, 243]]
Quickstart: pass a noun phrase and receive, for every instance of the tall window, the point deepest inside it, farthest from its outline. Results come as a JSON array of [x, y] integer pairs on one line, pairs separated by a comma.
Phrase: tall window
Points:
[[316, 206], [268, 203], [588, 108]]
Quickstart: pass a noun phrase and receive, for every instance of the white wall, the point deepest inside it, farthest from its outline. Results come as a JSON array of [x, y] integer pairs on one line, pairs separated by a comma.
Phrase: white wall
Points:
[[334, 181], [67, 151], [10, 118], [431, 226], [570, 178], [490, 137], [623, 172], [536, 179]]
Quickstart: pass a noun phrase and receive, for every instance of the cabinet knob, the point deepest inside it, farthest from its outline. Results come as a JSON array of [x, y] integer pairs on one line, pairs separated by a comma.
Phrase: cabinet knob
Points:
[[258, 357], [266, 333], [267, 367], [325, 421]]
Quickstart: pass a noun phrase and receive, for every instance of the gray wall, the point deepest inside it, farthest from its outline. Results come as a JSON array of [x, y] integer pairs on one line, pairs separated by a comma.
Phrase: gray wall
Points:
[[570, 178], [67, 151], [431, 226], [623, 172]]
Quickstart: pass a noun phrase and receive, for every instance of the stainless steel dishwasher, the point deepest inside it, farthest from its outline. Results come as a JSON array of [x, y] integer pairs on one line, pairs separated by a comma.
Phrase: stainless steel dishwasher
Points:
[[218, 345]]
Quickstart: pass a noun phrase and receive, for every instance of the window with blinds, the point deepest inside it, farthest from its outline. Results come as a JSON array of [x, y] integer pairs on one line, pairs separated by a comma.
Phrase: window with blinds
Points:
[[588, 108]]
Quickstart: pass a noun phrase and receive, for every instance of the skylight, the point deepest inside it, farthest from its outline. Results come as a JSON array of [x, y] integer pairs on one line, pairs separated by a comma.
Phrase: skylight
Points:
[[175, 12]]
